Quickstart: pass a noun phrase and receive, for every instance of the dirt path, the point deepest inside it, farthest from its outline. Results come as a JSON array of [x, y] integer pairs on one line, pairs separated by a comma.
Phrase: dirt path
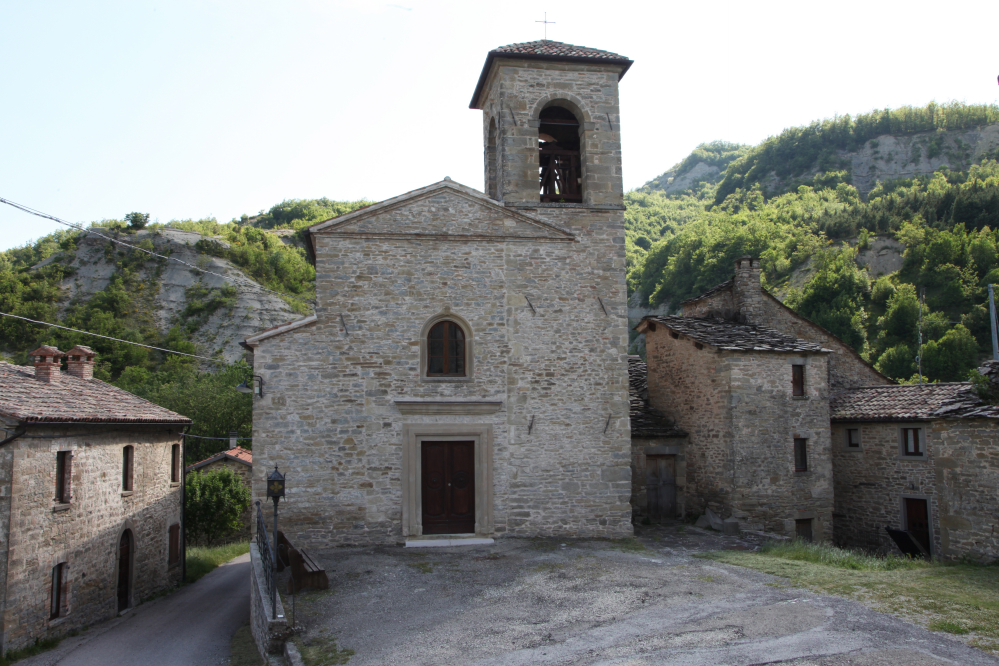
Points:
[[525, 602]]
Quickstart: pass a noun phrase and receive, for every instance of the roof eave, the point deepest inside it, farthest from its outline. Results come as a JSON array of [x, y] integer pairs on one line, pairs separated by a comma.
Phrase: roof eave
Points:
[[493, 55]]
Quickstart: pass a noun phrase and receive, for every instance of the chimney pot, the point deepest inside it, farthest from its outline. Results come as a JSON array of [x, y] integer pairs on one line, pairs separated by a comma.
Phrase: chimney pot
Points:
[[80, 362], [47, 363]]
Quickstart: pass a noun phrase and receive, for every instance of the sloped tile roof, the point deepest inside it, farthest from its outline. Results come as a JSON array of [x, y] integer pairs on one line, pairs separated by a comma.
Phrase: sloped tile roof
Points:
[[70, 399], [646, 421], [548, 47], [238, 454], [724, 286], [730, 336], [910, 402]]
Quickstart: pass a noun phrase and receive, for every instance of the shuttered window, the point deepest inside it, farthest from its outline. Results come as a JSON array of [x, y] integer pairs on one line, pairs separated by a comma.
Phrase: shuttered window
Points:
[[127, 460], [911, 443], [798, 380], [800, 455], [64, 477], [58, 580]]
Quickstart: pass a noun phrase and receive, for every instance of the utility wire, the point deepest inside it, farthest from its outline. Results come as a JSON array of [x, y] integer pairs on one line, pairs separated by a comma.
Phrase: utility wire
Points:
[[78, 227], [106, 337]]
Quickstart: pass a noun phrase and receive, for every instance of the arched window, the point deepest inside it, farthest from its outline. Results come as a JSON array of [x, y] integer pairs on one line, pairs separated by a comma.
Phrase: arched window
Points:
[[446, 350], [558, 143]]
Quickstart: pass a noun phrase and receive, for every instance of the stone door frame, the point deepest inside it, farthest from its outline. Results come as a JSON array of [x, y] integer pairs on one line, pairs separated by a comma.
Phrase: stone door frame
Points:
[[413, 434]]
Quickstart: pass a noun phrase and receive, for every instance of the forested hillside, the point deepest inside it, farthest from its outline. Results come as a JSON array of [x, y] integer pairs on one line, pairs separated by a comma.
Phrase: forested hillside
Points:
[[793, 202], [85, 282]]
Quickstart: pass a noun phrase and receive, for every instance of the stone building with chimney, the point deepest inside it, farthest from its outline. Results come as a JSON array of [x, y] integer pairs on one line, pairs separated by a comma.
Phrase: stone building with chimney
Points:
[[465, 374], [90, 497]]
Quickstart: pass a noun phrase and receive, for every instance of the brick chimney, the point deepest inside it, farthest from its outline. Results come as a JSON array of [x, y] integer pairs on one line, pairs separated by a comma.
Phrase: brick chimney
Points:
[[47, 363], [81, 362], [747, 293]]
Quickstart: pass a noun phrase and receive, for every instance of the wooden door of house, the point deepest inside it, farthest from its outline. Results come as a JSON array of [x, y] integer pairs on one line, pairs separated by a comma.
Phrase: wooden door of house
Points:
[[660, 490], [124, 569], [448, 487], [917, 521]]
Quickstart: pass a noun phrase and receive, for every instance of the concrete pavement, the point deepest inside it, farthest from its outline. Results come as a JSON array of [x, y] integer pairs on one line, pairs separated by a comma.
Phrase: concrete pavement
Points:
[[191, 627]]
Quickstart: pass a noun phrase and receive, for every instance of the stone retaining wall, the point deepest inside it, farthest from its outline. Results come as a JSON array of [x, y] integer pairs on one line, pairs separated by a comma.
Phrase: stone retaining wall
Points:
[[269, 633]]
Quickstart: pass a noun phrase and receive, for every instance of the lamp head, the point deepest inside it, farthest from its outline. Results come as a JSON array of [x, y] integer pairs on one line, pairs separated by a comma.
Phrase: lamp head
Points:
[[275, 484]]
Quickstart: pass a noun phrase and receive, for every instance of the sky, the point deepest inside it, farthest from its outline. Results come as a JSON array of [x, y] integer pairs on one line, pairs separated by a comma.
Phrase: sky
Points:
[[189, 110]]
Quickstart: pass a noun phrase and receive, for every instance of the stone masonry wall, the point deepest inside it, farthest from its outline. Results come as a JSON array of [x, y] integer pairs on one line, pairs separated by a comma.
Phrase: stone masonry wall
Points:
[[742, 420], [872, 480], [328, 416], [967, 475], [514, 95], [85, 536], [691, 386]]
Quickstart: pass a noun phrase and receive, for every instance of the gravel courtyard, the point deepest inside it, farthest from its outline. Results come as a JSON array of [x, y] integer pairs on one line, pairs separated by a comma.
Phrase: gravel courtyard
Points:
[[630, 603]]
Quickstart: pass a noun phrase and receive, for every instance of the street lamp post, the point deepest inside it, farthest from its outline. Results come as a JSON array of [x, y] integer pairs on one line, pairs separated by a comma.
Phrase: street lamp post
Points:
[[275, 491]]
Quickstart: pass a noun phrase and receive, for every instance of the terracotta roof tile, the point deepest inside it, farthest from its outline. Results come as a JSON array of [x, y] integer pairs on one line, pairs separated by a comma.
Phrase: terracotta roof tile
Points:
[[646, 421], [730, 336], [238, 453], [68, 398], [910, 402], [547, 47]]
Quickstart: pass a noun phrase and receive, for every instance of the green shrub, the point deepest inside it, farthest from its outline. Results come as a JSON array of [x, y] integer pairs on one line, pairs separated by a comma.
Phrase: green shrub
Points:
[[214, 505]]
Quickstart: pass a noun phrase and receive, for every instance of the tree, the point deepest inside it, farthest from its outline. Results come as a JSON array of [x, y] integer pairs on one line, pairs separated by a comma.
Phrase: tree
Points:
[[214, 505], [137, 220], [952, 357]]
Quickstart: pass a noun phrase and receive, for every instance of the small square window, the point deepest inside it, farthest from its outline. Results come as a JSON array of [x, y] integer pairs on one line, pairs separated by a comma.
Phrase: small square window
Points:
[[912, 443], [800, 455], [853, 438], [797, 380]]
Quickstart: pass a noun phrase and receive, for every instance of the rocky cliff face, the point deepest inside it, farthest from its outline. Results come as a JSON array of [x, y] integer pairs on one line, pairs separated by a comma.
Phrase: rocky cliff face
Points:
[[169, 288]]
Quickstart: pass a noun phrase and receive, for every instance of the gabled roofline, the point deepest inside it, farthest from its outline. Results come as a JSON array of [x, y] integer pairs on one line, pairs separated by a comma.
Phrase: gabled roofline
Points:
[[656, 319], [254, 340], [446, 184], [492, 56], [217, 457]]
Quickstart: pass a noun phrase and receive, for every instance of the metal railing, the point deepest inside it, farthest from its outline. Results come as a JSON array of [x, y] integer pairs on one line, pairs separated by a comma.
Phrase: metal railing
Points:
[[267, 560]]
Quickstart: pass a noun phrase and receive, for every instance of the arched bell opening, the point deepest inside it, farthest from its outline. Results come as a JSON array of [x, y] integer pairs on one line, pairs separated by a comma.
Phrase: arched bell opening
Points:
[[561, 173]]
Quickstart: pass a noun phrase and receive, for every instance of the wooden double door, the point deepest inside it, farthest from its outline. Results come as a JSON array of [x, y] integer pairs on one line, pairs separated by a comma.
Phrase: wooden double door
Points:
[[448, 487], [660, 487]]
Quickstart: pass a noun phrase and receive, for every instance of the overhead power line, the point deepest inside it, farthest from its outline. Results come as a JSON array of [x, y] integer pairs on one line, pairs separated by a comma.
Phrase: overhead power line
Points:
[[244, 283], [107, 337]]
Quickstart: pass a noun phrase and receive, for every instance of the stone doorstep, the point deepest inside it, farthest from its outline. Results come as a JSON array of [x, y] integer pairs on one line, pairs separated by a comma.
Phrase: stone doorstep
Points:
[[436, 541]]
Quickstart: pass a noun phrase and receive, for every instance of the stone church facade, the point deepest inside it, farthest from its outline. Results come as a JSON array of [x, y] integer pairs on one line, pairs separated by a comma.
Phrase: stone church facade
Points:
[[466, 371]]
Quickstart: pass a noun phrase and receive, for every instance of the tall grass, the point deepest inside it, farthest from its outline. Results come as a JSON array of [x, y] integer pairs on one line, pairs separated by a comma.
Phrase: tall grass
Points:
[[202, 559], [818, 553]]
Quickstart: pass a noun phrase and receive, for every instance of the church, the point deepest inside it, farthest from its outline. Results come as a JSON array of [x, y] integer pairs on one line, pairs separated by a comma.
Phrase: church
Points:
[[466, 370], [466, 373]]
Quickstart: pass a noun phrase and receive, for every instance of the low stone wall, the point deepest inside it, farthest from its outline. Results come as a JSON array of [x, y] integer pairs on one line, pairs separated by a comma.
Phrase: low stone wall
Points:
[[269, 632]]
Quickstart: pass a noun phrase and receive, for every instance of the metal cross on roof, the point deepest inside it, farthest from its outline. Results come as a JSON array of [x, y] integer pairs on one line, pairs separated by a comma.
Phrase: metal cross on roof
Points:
[[546, 22]]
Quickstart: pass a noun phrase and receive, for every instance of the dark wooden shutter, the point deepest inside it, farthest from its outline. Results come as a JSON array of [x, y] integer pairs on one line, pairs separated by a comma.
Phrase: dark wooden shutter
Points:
[[800, 455], [67, 484], [797, 380]]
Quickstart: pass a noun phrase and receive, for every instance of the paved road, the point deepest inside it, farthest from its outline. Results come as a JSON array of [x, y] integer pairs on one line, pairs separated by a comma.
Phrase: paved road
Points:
[[192, 627]]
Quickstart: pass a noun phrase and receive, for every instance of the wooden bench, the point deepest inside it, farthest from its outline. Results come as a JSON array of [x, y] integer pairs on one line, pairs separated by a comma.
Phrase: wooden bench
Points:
[[305, 572]]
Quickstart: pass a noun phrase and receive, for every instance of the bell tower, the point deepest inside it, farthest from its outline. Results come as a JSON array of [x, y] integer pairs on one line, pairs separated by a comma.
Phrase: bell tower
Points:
[[551, 124]]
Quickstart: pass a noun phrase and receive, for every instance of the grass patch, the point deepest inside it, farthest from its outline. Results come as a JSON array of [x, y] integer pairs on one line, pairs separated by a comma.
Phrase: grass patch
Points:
[[961, 599], [423, 567], [243, 649], [322, 651], [202, 559], [40, 645]]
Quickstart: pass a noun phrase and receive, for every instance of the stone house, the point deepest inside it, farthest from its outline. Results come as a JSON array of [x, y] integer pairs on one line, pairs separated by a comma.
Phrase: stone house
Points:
[[750, 381], [240, 462], [917, 457], [466, 371], [90, 497]]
